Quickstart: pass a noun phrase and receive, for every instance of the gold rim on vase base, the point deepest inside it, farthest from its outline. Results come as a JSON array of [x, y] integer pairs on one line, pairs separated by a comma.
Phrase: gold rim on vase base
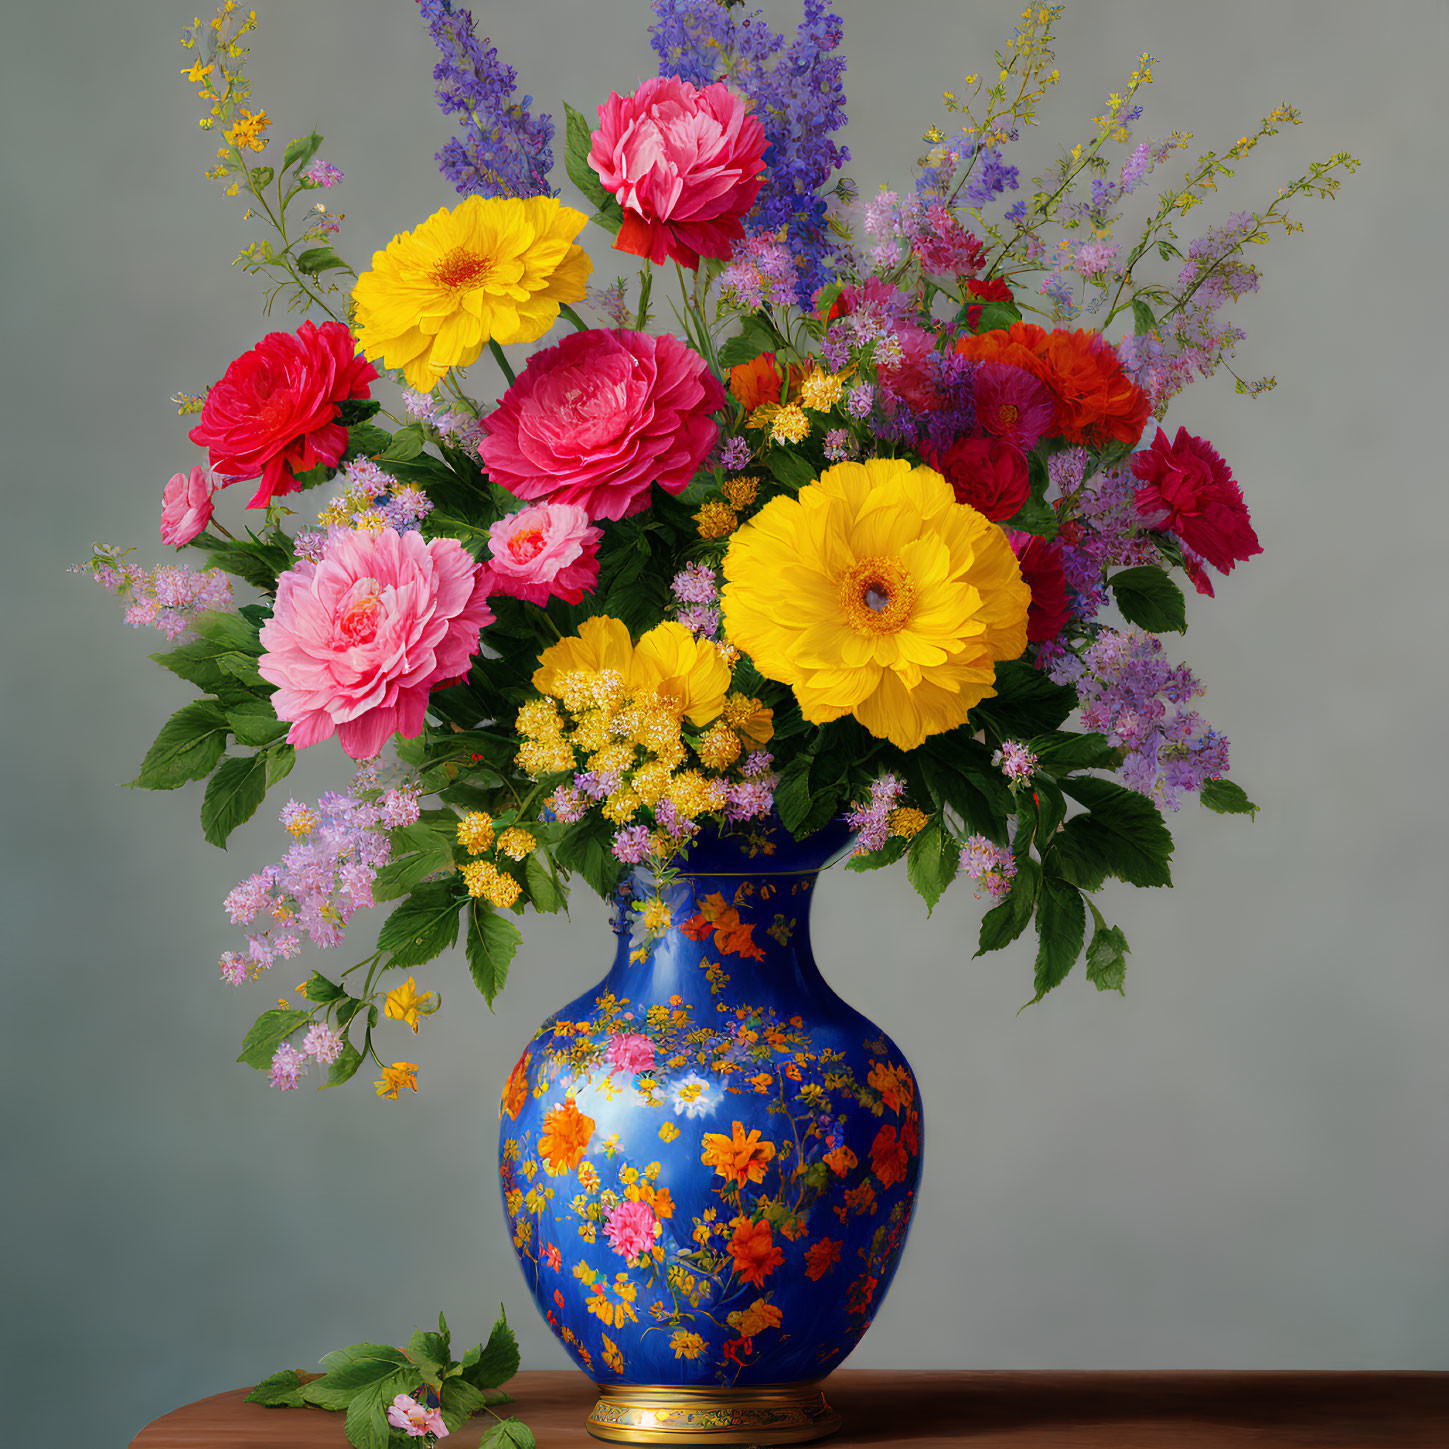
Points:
[[664, 1414]]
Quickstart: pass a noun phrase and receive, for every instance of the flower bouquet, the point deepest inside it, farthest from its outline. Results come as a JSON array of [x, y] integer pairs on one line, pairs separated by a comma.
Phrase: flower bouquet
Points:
[[825, 527]]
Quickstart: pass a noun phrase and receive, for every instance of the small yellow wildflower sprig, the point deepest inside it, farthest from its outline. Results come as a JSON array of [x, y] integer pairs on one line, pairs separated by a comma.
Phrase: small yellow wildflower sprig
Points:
[[298, 267]]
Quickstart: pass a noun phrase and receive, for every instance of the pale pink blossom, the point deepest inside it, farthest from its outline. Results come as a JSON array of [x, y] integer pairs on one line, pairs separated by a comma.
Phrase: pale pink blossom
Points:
[[547, 550], [416, 1419], [186, 505], [632, 1228], [356, 642], [630, 1052]]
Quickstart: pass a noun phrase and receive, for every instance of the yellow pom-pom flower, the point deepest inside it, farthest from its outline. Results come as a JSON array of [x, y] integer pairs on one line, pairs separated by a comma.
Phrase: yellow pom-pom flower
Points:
[[516, 844], [475, 831], [716, 519], [718, 747], [907, 822], [496, 887], [901, 600], [489, 269]]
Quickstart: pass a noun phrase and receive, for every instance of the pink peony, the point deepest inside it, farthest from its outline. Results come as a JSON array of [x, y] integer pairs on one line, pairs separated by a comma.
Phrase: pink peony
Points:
[[630, 1052], [356, 642], [544, 551], [632, 1228], [596, 419], [1012, 404], [685, 165], [186, 505], [1188, 489], [416, 1419], [274, 413]]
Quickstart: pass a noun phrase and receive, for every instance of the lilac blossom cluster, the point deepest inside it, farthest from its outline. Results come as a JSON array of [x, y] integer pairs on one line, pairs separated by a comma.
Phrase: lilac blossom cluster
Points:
[[325, 878], [986, 175], [612, 302], [798, 96], [928, 228], [454, 425], [1016, 762], [734, 454], [871, 821], [696, 591], [168, 597], [320, 173], [1130, 693], [760, 271], [753, 797], [504, 151], [289, 1064], [991, 866]]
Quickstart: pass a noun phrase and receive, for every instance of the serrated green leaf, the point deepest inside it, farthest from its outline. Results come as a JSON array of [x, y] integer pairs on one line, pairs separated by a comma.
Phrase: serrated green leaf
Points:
[[1061, 923], [188, 747], [255, 724], [345, 1067], [1107, 955], [1123, 832], [1026, 703], [995, 316], [460, 1401], [232, 796], [319, 988], [400, 876], [229, 631], [1060, 751], [423, 926], [278, 1391], [755, 337], [792, 794], [491, 943], [544, 893], [791, 468], [586, 849], [242, 668], [497, 1362], [268, 1032], [367, 440], [932, 862], [428, 1350], [1227, 798], [366, 1426], [406, 444], [1149, 599], [279, 758], [888, 854], [578, 142], [1051, 810], [1004, 922], [510, 1434]]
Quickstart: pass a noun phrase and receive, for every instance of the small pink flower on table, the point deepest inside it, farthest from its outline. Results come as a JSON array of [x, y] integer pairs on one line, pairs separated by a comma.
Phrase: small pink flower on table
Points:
[[416, 1419], [186, 505]]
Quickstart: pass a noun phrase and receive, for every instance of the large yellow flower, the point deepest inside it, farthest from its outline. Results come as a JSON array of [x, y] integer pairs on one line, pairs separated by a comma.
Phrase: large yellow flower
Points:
[[488, 269], [687, 673], [875, 593]]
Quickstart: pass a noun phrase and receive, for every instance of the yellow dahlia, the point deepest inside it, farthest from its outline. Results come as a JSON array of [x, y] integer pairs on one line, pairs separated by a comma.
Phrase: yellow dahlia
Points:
[[875, 593], [488, 269], [687, 673]]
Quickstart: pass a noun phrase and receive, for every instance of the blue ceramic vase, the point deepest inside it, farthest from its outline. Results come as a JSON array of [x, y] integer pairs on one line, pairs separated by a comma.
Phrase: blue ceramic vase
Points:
[[709, 1161]]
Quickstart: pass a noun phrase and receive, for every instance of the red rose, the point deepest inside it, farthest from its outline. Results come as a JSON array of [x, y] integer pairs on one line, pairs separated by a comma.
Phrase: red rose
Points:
[[274, 413], [986, 473], [1041, 570], [1187, 489], [991, 289]]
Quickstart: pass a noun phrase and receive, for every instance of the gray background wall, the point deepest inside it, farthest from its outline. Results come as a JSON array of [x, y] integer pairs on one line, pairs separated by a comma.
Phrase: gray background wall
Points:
[[1243, 1164]]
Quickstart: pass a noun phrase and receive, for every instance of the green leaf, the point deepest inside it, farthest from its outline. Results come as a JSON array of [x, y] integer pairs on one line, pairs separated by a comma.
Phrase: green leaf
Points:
[[1059, 752], [366, 1426], [188, 747], [1227, 798], [345, 1067], [365, 440], [319, 988], [1123, 832], [1107, 955], [361, 1364], [1061, 922], [1035, 516], [931, 862], [255, 723], [242, 668], [1026, 703], [1003, 923], [406, 444], [252, 560], [461, 1400], [888, 854], [586, 849], [280, 758], [755, 337], [424, 925], [428, 1350], [544, 893], [790, 468], [301, 151], [510, 1434], [1143, 321], [278, 1391], [995, 316], [268, 1032], [1051, 810], [577, 144], [403, 875], [232, 796], [316, 260], [1148, 598], [491, 943], [792, 794], [231, 631], [497, 1361]]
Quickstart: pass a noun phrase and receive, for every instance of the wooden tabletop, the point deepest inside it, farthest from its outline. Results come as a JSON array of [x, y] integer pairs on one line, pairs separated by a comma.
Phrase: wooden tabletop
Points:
[[935, 1410]]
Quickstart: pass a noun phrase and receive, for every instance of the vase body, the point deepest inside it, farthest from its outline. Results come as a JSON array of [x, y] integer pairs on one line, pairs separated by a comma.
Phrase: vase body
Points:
[[709, 1162]]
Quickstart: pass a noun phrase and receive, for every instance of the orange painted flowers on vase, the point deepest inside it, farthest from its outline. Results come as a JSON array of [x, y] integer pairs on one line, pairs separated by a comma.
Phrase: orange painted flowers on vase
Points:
[[565, 1138], [740, 1158]]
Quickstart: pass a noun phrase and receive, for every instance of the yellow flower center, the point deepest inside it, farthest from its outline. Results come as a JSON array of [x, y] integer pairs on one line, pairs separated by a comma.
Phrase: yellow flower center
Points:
[[1008, 412], [357, 619], [526, 545], [461, 269], [877, 594]]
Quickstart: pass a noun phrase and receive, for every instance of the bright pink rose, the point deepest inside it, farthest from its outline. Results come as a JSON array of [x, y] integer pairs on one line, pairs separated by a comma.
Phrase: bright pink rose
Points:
[[356, 641], [274, 413], [1012, 404], [630, 1052], [598, 418], [910, 377], [1041, 571], [186, 505], [986, 473], [416, 1419], [544, 551], [631, 1228], [685, 165], [1187, 489]]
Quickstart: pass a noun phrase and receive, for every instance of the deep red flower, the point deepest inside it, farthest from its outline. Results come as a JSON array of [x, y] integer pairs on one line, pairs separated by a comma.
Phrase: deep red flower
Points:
[[274, 412], [1188, 490], [986, 473], [1041, 569], [988, 289]]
